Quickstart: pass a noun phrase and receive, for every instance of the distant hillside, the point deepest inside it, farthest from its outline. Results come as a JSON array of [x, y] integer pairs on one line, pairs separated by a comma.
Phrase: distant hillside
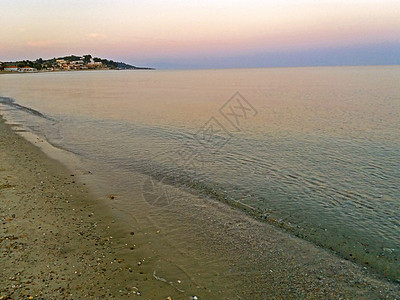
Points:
[[124, 66], [74, 62]]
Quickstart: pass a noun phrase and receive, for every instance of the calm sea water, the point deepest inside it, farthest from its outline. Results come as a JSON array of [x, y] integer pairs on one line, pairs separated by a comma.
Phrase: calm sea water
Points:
[[315, 151]]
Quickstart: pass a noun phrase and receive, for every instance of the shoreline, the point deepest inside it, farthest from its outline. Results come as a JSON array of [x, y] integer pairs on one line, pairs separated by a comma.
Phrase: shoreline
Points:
[[68, 241], [56, 241], [62, 71]]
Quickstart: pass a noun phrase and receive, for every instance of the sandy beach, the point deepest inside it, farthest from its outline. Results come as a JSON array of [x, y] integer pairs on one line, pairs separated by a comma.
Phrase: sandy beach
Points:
[[58, 242]]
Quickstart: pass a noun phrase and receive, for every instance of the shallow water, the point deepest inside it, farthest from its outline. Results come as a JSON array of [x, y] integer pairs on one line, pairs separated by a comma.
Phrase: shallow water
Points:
[[313, 150]]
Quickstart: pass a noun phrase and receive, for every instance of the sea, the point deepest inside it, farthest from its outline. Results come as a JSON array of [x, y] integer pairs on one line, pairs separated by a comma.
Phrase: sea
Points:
[[313, 151]]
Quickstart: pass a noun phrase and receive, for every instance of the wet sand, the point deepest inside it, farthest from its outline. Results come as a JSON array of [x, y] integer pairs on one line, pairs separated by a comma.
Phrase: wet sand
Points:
[[56, 242], [59, 242]]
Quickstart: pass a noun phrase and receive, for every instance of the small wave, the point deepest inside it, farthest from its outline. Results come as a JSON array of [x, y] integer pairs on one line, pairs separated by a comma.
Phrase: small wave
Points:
[[11, 103]]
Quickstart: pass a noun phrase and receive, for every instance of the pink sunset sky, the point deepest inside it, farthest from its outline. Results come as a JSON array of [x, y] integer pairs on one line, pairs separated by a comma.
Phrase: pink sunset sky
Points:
[[191, 34]]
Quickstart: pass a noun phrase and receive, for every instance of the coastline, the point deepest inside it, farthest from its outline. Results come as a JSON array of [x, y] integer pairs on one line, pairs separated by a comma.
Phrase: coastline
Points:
[[58, 241], [62, 71]]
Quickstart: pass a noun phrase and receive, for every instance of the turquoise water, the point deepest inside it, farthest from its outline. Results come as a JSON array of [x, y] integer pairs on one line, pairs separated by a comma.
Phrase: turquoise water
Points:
[[315, 151]]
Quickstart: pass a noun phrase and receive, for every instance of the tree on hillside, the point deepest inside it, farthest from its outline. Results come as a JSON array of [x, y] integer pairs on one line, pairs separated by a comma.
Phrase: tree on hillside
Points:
[[26, 63], [37, 65], [86, 58]]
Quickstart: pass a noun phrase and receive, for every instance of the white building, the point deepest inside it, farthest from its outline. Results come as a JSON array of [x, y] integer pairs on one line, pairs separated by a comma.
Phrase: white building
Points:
[[77, 62], [11, 68], [62, 63], [27, 70]]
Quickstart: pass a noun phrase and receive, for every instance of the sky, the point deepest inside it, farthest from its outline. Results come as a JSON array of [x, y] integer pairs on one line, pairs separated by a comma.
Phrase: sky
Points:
[[172, 34]]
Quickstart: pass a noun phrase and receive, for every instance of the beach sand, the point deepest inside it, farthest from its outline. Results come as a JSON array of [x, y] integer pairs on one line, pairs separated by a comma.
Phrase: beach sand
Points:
[[58, 242]]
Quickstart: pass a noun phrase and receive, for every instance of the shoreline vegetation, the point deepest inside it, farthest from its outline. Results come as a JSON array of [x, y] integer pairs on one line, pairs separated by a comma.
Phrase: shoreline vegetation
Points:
[[65, 63], [58, 241]]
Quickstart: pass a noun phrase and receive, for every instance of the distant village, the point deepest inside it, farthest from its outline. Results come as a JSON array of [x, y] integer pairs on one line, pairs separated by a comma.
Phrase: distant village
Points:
[[67, 63]]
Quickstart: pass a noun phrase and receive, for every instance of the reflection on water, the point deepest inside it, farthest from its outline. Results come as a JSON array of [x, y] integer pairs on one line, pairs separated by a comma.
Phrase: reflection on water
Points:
[[313, 150]]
